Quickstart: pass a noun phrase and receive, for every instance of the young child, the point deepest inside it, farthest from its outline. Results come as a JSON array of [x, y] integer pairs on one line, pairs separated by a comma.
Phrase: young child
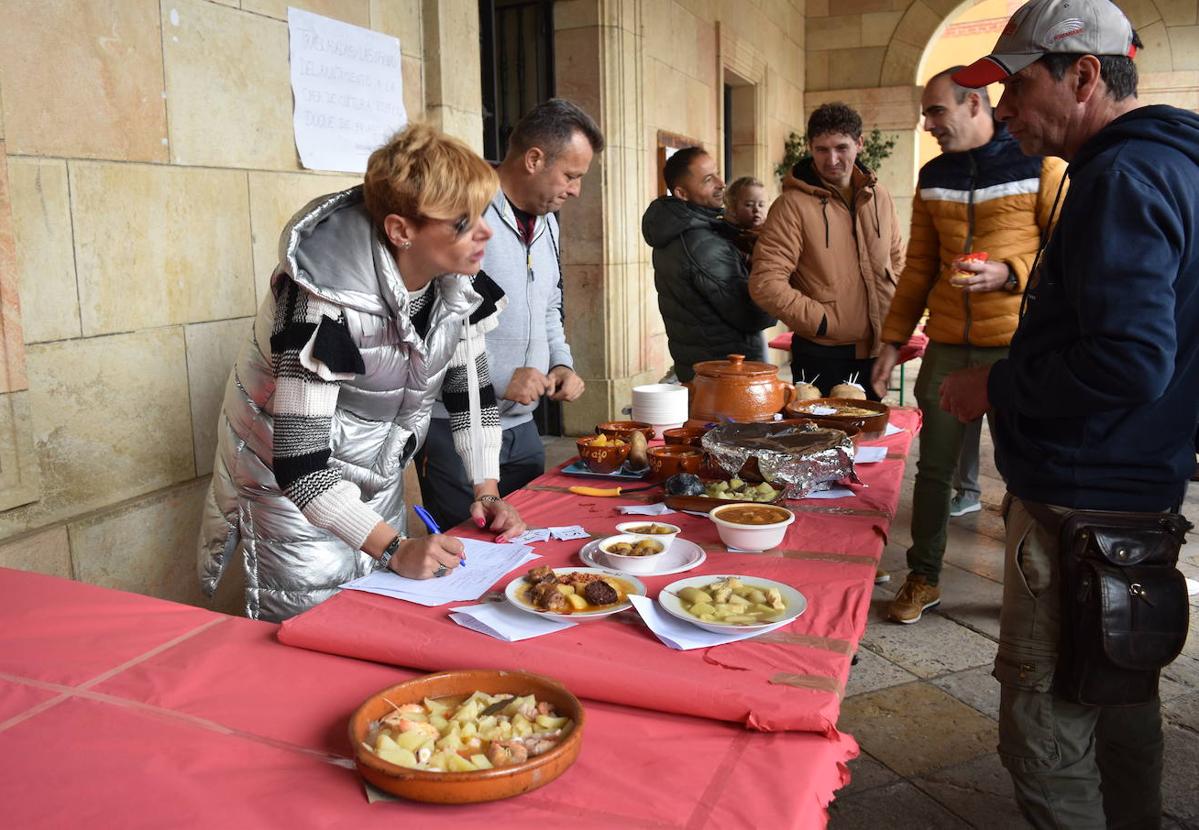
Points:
[[745, 203], [745, 209]]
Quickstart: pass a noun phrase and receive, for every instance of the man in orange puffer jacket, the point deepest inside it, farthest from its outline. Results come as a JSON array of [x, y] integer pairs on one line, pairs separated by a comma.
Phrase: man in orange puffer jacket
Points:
[[982, 194]]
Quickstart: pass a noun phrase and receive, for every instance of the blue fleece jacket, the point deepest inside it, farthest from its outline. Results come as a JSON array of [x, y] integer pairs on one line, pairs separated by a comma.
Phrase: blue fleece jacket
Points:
[[1097, 405]]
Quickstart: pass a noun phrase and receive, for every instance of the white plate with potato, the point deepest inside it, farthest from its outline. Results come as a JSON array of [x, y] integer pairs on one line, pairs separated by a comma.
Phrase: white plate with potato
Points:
[[520, 593], [750, 603]]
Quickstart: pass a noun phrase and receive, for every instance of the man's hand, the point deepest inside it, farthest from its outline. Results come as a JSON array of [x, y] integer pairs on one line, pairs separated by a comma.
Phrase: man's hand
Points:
[[499, 517], [565, 384], [964, 393], [421, 558], [527, 386], [979, 275], [884, 364]]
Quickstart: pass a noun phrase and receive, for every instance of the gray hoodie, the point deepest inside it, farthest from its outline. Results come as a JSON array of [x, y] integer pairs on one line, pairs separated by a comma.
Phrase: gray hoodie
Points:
[[530, 331]]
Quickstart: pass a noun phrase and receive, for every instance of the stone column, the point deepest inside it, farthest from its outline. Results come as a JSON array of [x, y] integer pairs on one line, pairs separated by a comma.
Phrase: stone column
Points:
[[453, 76], [18, 465], [611, 306]]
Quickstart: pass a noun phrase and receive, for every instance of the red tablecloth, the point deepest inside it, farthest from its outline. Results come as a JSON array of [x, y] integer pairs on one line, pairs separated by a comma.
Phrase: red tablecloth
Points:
[[118, 710], [791, 679], [914, 348]]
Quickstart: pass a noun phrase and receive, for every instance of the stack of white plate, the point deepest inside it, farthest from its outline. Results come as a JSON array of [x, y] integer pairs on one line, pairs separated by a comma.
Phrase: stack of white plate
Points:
[[662, 404]]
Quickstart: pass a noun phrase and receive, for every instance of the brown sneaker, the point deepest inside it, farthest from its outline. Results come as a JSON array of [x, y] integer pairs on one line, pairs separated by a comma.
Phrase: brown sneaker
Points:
[[881, 577], [914, 598]]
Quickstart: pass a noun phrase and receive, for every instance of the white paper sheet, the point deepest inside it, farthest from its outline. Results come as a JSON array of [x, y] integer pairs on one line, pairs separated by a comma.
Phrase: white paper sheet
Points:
[[486, 563], [834, 492], [682, 636], [349, 93], [658, 509], [568, 532], [892, 430], [502, 621], [869, 455], [531, 536]]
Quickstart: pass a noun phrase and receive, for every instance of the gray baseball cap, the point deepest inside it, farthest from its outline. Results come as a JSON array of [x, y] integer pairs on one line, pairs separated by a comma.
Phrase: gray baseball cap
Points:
[[1077, 27]]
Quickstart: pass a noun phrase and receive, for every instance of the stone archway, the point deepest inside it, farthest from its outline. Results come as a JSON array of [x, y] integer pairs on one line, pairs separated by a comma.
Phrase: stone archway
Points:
[[868, 53]]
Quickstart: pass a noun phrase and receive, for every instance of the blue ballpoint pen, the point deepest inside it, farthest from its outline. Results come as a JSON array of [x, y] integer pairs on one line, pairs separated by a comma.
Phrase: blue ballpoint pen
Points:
[[431, 523]]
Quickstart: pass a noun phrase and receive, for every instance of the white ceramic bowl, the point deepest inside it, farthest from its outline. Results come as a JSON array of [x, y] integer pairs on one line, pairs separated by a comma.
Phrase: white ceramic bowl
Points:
[[631, 564], [750, 537], [668, 598], [667, 539]]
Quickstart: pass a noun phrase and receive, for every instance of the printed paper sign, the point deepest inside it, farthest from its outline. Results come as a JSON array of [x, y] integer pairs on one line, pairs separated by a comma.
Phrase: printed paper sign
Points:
[[349, 94]]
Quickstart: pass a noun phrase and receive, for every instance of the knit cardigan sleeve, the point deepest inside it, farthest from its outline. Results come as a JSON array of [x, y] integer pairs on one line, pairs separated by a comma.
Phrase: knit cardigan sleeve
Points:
[[311, 355]]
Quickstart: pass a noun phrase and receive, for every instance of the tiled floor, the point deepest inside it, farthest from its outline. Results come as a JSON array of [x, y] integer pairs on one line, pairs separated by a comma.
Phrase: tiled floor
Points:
[[923, 705]]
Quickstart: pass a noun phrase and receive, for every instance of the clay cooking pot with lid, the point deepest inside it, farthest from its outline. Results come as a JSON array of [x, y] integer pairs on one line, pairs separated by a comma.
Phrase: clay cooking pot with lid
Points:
[[737, 389]]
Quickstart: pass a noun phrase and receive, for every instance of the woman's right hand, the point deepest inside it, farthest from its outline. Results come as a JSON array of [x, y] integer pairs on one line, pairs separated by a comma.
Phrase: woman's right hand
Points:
[[421, 558]]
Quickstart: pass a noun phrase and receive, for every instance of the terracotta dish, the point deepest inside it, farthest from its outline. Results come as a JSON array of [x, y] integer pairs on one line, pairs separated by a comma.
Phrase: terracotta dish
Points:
[[466, 787], [684, 436], [602, 459], [870, 425], [624, 429], [670, 459], [737, 390]]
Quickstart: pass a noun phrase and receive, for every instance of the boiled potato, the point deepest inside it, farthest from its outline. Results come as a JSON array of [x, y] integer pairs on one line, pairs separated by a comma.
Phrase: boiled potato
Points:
[[456, 763], [398, 756], [694, 595]]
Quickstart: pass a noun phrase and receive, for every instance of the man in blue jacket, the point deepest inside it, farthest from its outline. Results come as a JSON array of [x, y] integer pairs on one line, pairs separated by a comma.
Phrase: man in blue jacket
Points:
[[1096, 406], [549, 152]]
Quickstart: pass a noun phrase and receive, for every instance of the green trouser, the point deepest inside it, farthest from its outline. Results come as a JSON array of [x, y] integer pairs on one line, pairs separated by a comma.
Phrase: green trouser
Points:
[[1073, 766], [940, 445]]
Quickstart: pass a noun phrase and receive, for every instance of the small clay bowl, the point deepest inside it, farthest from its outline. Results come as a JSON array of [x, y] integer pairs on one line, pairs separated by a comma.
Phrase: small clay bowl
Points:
[[669, 460], [685, 436], [466, 787], [603, 459], [624, 429]]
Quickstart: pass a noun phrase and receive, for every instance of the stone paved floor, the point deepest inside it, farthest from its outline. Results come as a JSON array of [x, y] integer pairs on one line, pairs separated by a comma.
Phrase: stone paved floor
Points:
[[922, 703]]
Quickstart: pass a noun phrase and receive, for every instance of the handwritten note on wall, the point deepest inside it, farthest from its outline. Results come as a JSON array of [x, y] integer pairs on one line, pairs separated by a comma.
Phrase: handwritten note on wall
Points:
[[349, 93]]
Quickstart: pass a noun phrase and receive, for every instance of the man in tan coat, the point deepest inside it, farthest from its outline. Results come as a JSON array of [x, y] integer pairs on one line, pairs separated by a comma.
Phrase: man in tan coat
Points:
[[829, 255]]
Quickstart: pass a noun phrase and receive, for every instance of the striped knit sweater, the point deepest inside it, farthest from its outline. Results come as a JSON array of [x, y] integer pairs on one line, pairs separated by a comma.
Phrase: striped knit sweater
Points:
[[312, 353]]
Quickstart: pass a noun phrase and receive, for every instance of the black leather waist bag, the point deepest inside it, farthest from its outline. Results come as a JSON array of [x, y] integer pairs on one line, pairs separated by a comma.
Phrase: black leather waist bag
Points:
[[1124, 604], [1125, 611]]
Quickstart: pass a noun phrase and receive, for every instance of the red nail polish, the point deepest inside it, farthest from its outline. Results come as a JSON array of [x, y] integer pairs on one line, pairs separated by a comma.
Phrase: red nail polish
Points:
[[481, 522], [500, 540]]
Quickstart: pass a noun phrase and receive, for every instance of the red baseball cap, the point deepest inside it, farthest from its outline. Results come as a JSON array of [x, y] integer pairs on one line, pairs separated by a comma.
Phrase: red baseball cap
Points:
[[1075, 27]]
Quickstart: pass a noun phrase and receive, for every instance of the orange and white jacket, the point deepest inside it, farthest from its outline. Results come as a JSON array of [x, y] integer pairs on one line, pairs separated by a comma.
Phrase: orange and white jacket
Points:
[[993, 199]]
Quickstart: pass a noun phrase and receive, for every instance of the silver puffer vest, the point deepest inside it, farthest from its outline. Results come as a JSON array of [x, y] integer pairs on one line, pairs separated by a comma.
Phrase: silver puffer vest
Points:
[[331, 249]]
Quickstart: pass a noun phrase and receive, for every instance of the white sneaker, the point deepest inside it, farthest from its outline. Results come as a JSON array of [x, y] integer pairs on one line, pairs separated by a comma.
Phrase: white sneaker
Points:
[[960, 505]]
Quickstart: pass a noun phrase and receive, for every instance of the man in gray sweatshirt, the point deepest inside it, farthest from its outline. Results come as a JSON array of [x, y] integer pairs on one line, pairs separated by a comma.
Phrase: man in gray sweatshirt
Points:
[[549, 152]]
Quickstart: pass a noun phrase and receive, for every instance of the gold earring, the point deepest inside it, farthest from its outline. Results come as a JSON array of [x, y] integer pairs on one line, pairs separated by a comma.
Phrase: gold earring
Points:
[[405, 245]]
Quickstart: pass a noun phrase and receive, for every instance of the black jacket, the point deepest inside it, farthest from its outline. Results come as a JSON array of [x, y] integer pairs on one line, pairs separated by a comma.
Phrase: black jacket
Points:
[[703, 285], [1098, 403]]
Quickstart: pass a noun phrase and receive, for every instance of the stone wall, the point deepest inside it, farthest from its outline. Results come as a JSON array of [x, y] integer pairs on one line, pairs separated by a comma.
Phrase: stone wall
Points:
[[146, 168]]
